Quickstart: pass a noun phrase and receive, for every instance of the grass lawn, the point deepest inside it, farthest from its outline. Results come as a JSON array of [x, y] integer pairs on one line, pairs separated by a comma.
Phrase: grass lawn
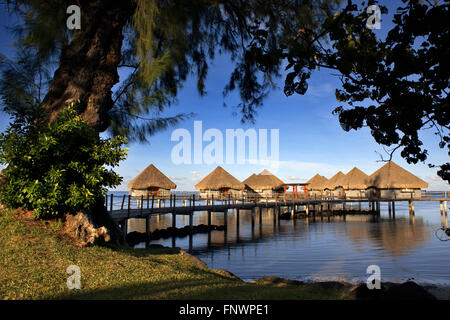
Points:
[[34, 256]]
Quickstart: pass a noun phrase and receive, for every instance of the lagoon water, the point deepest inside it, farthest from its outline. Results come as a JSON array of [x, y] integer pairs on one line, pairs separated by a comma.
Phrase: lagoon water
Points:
[[314, 249]]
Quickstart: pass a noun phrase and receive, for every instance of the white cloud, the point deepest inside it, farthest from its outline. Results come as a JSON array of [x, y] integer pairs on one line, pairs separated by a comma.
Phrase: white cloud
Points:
[[294, 178], [197, 176], [177, 178], [435, 183], [309, 168], [321, 90]]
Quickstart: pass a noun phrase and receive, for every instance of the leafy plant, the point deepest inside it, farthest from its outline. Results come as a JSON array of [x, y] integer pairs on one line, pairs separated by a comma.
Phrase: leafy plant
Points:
[[57, 168]]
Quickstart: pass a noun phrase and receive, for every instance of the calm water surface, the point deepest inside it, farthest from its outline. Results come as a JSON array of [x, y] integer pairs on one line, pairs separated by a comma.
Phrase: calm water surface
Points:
[[306, 249]]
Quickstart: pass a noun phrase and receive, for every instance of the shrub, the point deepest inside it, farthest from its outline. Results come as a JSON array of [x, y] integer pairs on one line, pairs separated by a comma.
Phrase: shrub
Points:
[[57, 168]]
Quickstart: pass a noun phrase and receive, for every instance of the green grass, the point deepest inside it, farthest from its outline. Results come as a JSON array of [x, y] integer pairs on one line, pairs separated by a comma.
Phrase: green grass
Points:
[[34, 258]]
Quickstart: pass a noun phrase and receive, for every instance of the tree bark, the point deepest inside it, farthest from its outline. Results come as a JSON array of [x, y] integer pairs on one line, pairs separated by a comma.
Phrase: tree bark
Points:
[[86, 74], [88, 64]]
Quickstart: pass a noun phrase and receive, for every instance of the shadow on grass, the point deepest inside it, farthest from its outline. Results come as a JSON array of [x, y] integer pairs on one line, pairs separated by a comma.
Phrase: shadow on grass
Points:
[[142, 252], [220, 289], [182, 289]]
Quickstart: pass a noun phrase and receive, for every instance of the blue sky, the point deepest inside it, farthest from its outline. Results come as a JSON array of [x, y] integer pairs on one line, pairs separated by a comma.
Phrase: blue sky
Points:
[[310, 138]]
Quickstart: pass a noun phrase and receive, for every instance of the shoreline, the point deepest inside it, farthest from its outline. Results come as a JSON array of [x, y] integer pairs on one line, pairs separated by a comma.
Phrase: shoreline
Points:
[[37, 253], [409, 289]]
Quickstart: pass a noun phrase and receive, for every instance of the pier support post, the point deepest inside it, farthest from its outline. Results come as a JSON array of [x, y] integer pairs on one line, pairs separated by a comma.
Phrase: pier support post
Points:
[[225, 218], [260, 216], [147, 226], [393, 209], [253, 218], [446, 216], [411, 207], [237, 217], [389, 208], [191, 221], [174, 220], [112, 202], [209, 218], [442, 207]]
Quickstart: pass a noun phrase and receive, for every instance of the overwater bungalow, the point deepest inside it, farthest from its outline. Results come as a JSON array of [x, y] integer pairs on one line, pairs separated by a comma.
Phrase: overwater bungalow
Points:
[[393, 182], [264, 185], [315, 185], [220, 184], [151, 182], [333, 187], [355, 184]]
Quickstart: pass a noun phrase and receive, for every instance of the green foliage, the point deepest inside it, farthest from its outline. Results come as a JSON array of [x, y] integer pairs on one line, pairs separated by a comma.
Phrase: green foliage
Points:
[[59, 168], [24, 81], [166, 42], [397, 86]]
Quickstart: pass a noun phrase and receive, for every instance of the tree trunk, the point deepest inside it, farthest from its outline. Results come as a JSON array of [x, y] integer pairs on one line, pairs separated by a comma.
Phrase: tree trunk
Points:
[[86, 73], [88, 64], [93, 226]]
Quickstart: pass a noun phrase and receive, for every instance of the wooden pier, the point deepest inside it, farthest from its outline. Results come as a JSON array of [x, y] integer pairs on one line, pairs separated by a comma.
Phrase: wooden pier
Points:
[[186, 203]]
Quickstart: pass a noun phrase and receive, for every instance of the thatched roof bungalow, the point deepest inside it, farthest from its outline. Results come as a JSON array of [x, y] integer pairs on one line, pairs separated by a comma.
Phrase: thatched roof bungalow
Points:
[[393, 182], [264, 184], [150, 182], [355, 183], [333, 187], [333, 182], [220, 184], [315, 184]]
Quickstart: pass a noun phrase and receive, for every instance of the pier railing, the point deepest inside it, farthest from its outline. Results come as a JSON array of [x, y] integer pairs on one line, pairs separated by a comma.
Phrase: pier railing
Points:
[[435, 195], [192, 199]]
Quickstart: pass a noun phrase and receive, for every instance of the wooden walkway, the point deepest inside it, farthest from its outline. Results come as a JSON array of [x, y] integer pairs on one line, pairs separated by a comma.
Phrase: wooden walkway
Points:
[[187, 204]]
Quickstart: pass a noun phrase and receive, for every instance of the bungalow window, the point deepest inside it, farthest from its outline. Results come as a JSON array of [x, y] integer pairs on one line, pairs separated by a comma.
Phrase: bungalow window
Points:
[[406, 190]]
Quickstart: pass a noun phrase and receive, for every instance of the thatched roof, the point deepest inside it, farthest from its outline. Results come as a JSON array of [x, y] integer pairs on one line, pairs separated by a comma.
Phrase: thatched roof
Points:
[[334, 181], [392, 176], [316, 182], [263, 181], [219, 179], [355, 179], [151, 177]]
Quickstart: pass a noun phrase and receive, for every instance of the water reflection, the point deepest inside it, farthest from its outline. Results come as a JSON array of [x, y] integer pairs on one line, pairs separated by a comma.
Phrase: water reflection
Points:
[[338, 247]]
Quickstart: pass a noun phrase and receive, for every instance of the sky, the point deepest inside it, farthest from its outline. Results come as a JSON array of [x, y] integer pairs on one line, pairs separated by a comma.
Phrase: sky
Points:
[[310, 138]]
